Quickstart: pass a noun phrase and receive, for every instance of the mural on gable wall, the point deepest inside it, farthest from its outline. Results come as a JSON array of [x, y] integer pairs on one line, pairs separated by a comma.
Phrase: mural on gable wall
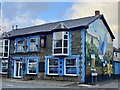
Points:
[[99, 49]]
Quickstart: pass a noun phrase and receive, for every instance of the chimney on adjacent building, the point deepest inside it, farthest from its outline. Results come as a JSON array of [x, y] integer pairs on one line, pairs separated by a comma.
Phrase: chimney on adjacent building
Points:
[[12, 27], [16, 26], [97, 13]]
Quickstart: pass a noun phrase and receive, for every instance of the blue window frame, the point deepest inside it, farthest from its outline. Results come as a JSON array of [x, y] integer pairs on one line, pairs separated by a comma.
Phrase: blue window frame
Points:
[[68, 66], [32, 65], [32, 43], [61, 43], [53, 66], [19, 45]]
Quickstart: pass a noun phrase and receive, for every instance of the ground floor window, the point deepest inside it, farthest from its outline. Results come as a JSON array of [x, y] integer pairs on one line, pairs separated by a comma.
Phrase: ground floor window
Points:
[[62, 66], [70, 66], [4, 66], [53, 66], [32, 65]]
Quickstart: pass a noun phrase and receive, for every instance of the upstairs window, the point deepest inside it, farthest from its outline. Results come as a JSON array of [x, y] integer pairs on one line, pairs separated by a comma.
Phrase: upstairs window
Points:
[[60, 41], [19, 45], [1, 48], [33, 43], [4, 48]]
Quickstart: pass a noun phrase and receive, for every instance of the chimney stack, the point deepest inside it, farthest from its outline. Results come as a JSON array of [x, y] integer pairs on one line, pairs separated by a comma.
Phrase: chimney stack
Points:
[[16, 26], [12, 27], [97, 13]]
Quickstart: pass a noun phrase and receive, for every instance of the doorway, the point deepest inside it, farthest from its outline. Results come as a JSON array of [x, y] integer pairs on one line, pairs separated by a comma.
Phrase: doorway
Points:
[[17, 69]]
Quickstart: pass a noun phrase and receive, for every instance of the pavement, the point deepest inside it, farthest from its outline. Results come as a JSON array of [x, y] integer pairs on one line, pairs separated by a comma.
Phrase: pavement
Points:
[[18, 83], [34, 83]]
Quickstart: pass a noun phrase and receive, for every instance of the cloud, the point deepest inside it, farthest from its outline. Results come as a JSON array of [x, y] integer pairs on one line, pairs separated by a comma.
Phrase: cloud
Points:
[[109, 9], [22, 21]]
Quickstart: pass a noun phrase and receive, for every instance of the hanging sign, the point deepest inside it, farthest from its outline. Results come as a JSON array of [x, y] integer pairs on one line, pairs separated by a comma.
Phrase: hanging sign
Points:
[[43, 41]]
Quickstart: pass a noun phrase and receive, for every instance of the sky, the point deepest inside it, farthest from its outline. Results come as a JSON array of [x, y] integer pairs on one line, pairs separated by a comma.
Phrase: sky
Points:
[[25, 14]]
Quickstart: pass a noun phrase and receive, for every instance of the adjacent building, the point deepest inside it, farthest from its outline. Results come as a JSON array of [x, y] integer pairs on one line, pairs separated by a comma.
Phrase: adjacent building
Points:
[[74, 50], [4, 53], [116, 63]]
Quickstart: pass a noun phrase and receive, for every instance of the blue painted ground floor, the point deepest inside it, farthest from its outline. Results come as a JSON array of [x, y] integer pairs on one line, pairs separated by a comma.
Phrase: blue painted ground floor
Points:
[[53, 66]]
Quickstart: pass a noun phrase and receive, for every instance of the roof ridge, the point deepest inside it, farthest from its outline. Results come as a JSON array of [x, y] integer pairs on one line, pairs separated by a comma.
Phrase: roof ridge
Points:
[[55, 22]]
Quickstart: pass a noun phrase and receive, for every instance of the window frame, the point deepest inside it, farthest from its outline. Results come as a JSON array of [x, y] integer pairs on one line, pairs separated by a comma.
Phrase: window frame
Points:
[[16, 45], [63, 39], [1, 64], [1, 45], [27, 65], [36, 43], [70, 66], [3, 48], [49, 66]]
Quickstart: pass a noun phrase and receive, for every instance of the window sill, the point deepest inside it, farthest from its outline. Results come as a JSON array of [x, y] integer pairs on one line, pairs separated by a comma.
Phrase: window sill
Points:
[[31, 74], [4, 57], [53, 74], [4, 73], [18, 52], [32, 51], [70, 75], [60, 54]]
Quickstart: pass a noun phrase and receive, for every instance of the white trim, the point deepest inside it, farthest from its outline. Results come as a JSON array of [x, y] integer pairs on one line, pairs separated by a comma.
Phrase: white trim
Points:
[[70, 74], [49, 65], [19, 66], [70, 66], [29, 63], [3, 66], [60, 54], [3, 53], [63, 33], [62, 27]]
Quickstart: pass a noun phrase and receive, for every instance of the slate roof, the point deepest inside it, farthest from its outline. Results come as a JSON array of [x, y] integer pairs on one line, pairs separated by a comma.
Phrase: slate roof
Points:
[[81, 22]]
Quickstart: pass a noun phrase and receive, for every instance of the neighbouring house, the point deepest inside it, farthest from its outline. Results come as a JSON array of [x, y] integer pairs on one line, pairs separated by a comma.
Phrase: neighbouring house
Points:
[[4, 53], [73, 50], [116, 62]]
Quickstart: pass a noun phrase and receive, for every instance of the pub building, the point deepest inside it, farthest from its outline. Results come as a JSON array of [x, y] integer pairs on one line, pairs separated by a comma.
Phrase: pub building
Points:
[[70, 50]]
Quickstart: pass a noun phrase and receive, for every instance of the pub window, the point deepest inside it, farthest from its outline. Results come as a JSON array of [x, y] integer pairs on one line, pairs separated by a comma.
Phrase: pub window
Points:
[[70, 66], [4, 48], [60, 41], [53, 66], [33, 43], [4, 66], [1, 48], [32, 66], [19, 45]]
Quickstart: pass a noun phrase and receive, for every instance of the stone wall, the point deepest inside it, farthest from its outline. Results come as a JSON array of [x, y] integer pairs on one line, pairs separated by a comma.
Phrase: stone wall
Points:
[[41, 53], [75, 50], [47, 51]]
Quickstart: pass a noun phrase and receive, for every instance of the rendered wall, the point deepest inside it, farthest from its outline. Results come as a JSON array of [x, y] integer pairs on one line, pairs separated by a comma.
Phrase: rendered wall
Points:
[[99, 49]]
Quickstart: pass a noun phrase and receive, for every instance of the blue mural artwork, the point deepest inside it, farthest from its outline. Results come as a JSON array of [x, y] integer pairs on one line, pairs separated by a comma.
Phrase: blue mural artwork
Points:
[[99, 49]]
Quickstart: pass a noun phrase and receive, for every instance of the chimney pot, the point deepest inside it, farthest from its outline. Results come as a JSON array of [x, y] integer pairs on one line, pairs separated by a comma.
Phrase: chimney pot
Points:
[[97, 12]]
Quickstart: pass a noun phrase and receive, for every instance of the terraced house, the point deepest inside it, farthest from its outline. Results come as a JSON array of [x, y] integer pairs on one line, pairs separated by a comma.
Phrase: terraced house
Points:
[[74, 50]]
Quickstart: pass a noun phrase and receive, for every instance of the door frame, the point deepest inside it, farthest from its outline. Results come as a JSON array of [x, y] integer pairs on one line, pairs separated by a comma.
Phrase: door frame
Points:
[[19, 66]]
